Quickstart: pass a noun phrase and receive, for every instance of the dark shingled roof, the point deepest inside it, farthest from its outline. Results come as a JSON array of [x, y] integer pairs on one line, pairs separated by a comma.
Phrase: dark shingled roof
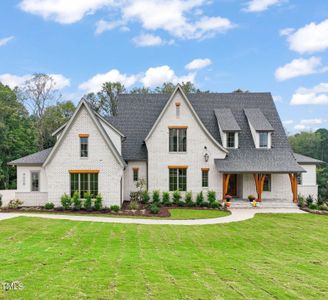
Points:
[[257, 119], [226, 120], [137, 113], [37, 158], [302, 159]]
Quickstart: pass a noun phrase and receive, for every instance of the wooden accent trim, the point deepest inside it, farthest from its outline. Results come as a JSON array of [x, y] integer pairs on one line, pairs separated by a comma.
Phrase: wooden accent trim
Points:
[[83, 171], [178, 167], [226, 178], [293, 182], [135, 169], [82, 135], [205, 169], [177, 104], [259, 183], [178, 127]]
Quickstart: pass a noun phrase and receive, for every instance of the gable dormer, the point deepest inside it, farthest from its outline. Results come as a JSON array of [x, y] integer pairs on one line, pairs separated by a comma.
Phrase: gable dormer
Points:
[[260, 128], [228, 127]]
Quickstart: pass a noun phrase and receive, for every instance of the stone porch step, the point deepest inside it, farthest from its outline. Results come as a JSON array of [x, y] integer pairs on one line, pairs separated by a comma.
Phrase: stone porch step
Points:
[[264, 204]]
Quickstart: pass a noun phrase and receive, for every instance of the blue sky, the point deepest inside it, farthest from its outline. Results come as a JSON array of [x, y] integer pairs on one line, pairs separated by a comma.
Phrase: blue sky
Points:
[[278, 46]]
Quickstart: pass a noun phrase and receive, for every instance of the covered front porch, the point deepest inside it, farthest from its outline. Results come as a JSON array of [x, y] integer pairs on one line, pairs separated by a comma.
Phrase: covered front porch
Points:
[[263, 186]]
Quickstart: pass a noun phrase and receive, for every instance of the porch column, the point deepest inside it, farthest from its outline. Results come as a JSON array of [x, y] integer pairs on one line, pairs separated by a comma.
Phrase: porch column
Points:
[[293, 183], [226, 178], [259, 182]]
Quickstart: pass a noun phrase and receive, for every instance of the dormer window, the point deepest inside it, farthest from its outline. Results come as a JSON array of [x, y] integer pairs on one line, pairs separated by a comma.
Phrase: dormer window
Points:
[[231, 143], [264, 139]]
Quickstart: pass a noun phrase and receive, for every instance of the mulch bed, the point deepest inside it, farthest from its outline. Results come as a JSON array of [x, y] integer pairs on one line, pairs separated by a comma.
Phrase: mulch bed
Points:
[[315, 211], [143, 211]]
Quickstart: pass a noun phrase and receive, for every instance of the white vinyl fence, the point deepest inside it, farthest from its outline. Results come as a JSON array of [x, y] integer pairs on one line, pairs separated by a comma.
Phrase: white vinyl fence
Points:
[[7, 195]]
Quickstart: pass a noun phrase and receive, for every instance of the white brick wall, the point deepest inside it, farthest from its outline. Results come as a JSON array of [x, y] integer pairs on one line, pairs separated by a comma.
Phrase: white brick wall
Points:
[[7, 195], [129, 184], [159, 157], [100, 158], [309, 182]]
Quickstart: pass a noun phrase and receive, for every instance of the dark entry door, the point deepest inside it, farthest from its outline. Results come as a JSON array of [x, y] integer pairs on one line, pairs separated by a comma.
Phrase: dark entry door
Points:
[[232, 188]]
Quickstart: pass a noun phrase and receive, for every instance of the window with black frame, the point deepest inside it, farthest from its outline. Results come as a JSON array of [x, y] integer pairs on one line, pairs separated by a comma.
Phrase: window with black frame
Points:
[[177, 139], [177, 179], [35, 181], [267, 183], [205, 178], [84, 182], [84, 146]]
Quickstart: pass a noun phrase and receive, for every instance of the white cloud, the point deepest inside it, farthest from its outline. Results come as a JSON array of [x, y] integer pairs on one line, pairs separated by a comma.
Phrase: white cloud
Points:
[[300, 67], [198, 63], [6, 40], [310, 38], [312, 121], [277, 98], [309, 124], [157, 76], [63, 11], [13, 80], [16, 81], [180, 18], [95, 82], [261, 5], [288, 122], [317, 95], [147, 40], [286, 31]]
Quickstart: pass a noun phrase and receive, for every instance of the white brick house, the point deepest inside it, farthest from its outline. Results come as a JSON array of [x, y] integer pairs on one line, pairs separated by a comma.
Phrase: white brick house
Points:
[[230, 143]]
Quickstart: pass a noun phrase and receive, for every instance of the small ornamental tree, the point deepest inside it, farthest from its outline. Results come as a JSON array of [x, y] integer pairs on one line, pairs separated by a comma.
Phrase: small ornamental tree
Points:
[[98, 202], [66, 201], [200, 199], [87, 201], [77, 203], [166, 198], [156, 197], [176, 197]]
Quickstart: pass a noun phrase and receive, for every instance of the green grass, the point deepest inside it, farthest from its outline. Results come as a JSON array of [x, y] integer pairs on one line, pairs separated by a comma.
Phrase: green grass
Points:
[[269, 257], [176, 214]]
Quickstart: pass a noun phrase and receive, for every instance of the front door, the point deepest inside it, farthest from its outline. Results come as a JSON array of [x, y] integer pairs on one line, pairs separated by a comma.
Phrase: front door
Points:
[[232, 188]]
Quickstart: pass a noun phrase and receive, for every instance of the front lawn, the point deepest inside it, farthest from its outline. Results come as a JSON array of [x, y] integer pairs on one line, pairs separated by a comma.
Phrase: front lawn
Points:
[[269, 257]]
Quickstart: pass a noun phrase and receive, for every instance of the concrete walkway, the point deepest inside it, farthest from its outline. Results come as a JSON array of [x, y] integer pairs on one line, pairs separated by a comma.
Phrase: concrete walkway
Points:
[[236, 216]]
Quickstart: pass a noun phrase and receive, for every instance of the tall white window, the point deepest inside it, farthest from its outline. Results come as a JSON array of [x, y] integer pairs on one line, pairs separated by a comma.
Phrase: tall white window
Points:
[[264, 139], [35, 181]]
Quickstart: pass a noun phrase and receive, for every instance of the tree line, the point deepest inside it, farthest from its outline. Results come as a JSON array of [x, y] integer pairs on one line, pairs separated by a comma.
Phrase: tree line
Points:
[[30, 113]]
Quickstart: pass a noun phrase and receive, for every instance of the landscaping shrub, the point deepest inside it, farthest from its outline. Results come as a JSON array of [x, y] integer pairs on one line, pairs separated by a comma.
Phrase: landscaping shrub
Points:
[[176, 197], [204, 204], [66, 201], [181, 203], [15, 203], [323, 207], [49, 205], [133, 205], [199, 199], [211, 197], [98, 202], [215, 205], [154, 209], [251, 198], [114, 208], [188, 199], [156, 197], [313, 206], [309, 200], [301, 202], [135, 196], [145, 197], [76, 201], [166, 198], [87, 201]]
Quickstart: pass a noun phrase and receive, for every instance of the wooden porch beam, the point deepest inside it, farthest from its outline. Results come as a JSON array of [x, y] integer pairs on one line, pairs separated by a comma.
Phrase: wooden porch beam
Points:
[[226, 178], [293, 183]]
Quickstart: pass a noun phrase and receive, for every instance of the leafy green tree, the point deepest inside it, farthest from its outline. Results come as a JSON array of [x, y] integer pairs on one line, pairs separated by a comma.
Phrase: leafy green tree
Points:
[[168, 88], [54, 117], [142, 90], [17, 135]]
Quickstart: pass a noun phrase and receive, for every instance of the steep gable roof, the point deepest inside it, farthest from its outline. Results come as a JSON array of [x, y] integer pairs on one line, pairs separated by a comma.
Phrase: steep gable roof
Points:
[[137, 114], [102, 131], [178, 89]]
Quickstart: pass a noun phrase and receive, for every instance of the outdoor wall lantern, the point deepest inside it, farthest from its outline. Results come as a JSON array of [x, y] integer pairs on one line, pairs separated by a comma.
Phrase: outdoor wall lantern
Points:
[[206, 156]]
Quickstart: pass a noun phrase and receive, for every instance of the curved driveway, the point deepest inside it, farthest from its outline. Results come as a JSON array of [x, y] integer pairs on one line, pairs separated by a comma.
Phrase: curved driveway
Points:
[[235, 216]]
